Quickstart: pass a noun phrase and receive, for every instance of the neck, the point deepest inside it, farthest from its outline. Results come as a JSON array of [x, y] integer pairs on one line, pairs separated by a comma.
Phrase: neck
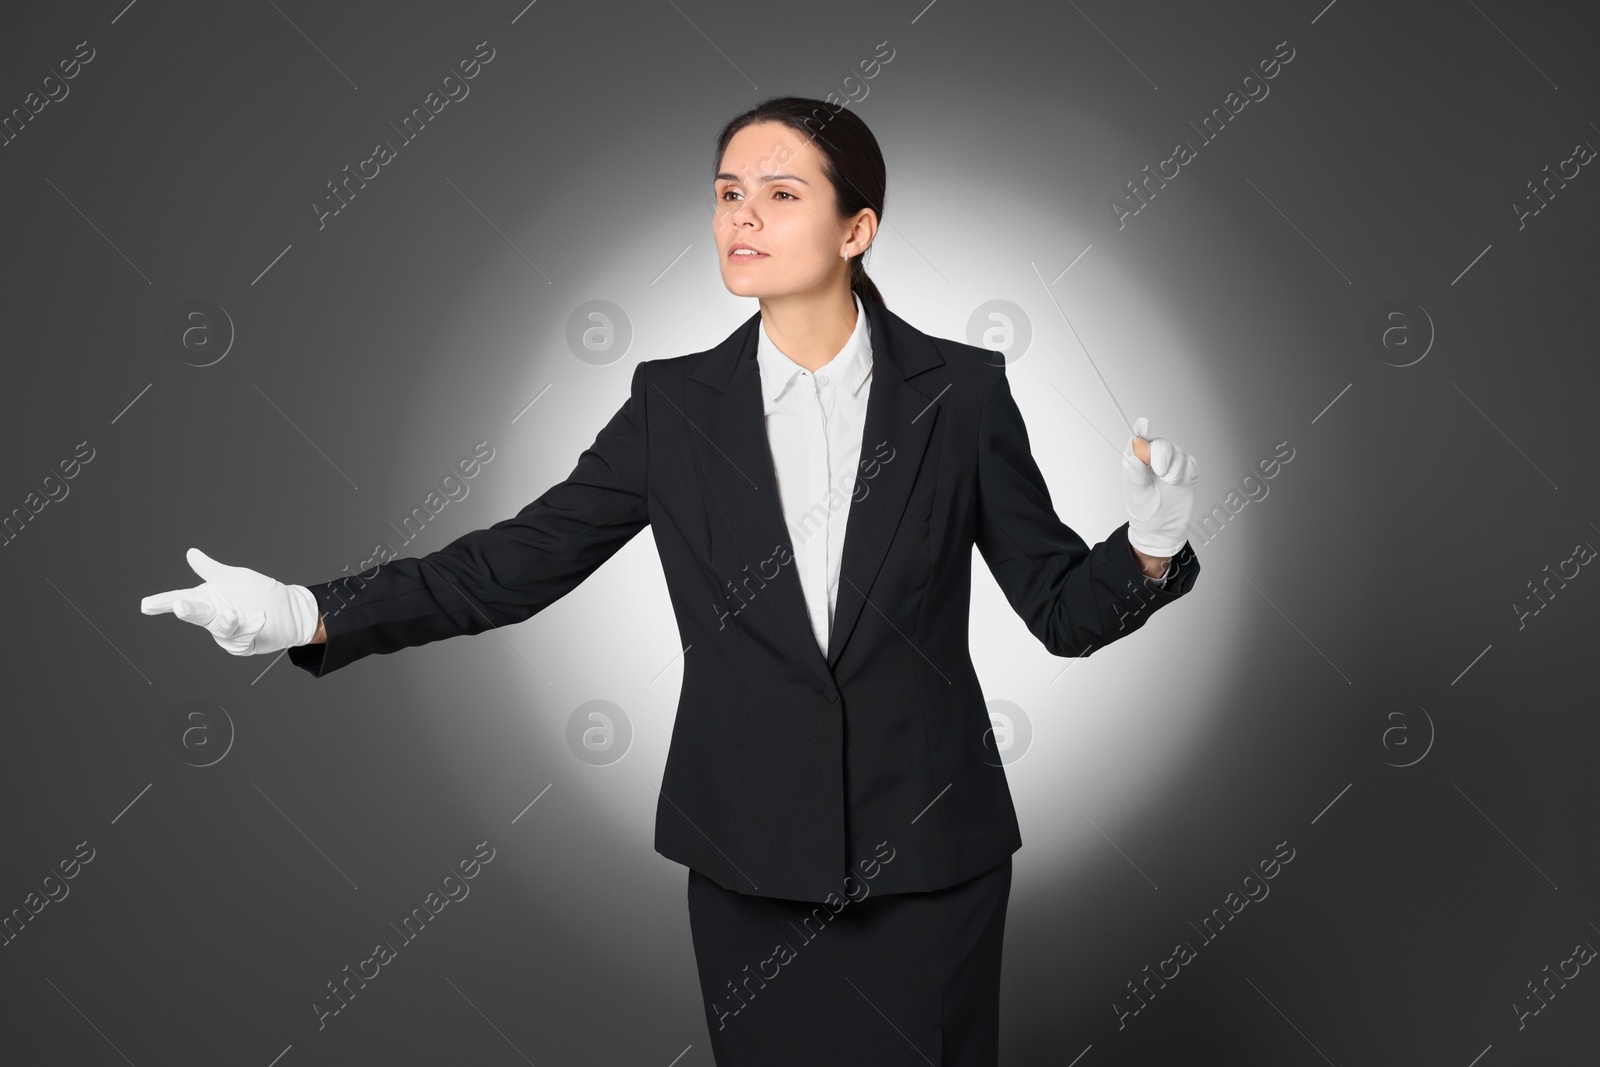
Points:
[[810, 328]]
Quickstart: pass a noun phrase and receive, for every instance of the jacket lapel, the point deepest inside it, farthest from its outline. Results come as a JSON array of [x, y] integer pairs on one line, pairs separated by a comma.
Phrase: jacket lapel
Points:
[[732, 450], [901, 417]]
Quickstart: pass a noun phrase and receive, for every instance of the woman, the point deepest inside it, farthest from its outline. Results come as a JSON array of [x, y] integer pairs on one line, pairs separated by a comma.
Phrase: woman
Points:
[[818, 480]]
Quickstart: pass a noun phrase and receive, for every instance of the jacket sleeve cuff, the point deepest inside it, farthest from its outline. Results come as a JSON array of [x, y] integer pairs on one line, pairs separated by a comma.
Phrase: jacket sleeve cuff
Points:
[[328, 656]]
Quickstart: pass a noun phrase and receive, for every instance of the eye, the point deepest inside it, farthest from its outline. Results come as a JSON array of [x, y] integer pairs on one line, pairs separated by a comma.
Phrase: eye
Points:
[[780, 192]]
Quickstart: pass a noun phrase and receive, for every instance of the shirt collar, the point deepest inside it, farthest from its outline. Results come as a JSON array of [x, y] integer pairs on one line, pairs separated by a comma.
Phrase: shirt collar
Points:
[[851, 364]]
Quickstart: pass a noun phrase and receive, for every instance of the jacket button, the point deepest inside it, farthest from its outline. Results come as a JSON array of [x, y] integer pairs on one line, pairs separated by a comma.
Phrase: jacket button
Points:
[[832, 695]]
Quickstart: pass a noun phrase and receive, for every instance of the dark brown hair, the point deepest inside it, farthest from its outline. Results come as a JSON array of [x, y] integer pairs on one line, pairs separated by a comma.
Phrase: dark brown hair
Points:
[[851, 159]]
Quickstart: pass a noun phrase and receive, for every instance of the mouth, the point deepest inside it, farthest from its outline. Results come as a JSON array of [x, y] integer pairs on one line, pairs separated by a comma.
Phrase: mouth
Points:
[[745, 255]]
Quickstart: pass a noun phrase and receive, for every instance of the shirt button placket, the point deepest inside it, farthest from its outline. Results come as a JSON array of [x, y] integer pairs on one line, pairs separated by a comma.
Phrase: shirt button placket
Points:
[[819, 493], [828, 397]]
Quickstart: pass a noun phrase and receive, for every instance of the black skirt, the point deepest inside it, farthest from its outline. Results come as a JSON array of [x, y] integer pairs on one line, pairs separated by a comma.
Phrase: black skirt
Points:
[[874, 980]]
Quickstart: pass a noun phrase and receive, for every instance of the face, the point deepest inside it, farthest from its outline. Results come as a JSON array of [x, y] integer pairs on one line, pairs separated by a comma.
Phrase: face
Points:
[[773, 196]]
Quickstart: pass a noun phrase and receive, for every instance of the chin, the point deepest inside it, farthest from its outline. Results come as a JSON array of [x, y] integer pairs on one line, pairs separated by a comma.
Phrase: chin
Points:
[[765, 288], [753, 288], [741, 287]]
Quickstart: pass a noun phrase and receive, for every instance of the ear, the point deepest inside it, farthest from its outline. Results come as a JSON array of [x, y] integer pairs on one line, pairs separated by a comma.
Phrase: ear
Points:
[[862, 232]]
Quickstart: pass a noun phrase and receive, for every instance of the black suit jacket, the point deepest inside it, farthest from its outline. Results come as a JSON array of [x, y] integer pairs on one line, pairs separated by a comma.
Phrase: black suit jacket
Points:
[[787, 767]]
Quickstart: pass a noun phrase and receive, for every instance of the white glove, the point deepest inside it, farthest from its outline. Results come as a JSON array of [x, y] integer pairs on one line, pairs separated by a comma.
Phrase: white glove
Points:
[[245, 611], [1159, 495]]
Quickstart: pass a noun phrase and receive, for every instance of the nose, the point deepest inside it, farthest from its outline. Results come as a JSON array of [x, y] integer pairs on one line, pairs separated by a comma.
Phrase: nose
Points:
[[739, 213], [734, 224]]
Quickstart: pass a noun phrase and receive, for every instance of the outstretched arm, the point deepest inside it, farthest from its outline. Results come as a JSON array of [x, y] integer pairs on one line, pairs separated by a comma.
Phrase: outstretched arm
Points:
[[500, 575]]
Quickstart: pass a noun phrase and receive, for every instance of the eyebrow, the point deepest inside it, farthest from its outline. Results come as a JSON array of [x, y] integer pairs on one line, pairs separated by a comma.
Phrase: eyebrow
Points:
[[764, 178]]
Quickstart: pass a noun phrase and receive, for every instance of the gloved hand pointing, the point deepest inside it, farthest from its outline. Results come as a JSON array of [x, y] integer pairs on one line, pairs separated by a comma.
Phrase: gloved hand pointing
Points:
[[1159, 494], [245, 611]]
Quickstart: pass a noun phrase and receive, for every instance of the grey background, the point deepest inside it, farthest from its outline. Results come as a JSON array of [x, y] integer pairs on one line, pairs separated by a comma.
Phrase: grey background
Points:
[[1376, 579]]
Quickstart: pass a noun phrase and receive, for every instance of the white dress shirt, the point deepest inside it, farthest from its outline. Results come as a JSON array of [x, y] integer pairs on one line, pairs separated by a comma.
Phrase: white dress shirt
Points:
[[814, 428], [815, 424]]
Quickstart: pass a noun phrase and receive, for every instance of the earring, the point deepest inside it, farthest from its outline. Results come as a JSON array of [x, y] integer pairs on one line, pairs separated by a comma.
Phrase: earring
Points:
[[846, 257]]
